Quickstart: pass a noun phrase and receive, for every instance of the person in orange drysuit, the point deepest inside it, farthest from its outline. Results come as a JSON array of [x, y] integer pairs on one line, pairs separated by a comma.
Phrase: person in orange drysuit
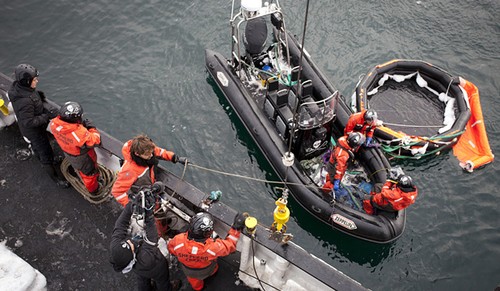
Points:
[[77, 138], [364, 122], [394, 196], [340, 157], [198, 252], [141, 156]]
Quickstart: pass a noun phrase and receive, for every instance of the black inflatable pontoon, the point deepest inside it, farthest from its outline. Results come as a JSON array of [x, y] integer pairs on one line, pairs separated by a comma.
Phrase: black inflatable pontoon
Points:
[[286, 109]]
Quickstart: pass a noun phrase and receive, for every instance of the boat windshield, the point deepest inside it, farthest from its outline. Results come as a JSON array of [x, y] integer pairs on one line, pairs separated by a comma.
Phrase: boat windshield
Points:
[[314, 114]]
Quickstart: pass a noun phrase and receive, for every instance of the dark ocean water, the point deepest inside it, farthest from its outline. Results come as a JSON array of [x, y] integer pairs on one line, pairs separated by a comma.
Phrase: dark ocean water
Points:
[[138, 66]]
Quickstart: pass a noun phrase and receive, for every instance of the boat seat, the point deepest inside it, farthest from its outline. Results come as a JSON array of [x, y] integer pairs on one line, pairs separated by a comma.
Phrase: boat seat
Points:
[[269, 108], [292, 100], [313, 109], [306, 89], [272, 84], [282, 98]]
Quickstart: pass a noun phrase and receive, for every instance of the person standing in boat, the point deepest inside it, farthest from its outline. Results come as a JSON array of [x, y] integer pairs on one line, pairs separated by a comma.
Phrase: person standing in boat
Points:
[[140, 255], [141, 156], [395, 195], [33, 119], [340, 158], [197, 251], [77, 137], [364, 122]]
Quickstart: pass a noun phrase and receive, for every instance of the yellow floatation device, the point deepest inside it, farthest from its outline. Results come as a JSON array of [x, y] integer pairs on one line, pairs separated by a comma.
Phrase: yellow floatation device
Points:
[[281, 214], [3, 107]]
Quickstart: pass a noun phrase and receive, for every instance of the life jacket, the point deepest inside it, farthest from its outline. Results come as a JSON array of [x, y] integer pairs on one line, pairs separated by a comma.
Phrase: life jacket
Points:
[[73, 138], [198, 258], [357, 123], [132, 175], [395, 198]]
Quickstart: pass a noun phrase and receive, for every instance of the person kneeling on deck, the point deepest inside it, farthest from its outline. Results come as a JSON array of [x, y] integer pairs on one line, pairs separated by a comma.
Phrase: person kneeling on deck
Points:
[[77, 138], [364, 122], [395, 195], [340, 158], [141, 155], [198, 252], [140, 254]]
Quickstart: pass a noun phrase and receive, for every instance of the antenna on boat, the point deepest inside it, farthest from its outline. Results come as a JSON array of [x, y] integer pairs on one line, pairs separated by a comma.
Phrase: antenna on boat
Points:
[[294, 125]]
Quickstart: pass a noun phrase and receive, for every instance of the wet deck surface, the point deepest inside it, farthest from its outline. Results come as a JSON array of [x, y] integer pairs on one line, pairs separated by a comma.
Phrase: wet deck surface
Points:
[[61, 234]]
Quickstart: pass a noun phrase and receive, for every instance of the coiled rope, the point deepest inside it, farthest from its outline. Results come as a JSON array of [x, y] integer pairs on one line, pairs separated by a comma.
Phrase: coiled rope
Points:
[[107, 177]]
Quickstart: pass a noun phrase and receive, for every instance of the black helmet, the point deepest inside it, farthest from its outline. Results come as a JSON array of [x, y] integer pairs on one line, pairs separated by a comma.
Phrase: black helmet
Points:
[[25, 74], [355, 139], [370, 115], [71, 112], [405, 181], [201, 226]]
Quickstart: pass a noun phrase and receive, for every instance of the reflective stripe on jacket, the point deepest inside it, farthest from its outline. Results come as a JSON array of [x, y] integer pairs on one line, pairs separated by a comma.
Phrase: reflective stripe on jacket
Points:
[[132, 174], [198, 255], [356, 123], [393, 198], [340, 158], [74, 138]]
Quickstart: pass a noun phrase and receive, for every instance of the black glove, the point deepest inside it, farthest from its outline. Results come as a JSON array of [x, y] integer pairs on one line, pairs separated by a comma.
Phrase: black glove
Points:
[[239, 221], [42, 96], [158, 188], [177, 159], [87, 123], [53, 113]]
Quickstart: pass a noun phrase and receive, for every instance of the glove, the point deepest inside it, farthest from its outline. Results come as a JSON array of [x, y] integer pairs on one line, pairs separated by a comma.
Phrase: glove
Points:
[[177, 159], [53, 113], [336, 185], [239, 221], [158, 188], [42, 96], [87, 123], [368, 140]]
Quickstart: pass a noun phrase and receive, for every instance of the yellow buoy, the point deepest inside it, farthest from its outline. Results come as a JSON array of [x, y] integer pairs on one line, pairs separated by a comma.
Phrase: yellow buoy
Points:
[[3, 107]]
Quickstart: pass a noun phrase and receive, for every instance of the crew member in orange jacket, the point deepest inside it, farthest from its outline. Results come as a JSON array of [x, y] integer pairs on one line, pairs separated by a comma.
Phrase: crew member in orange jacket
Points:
[[394, 196], [77, 138], [141, 156], [364, 122], [198, 252], [340, 157]]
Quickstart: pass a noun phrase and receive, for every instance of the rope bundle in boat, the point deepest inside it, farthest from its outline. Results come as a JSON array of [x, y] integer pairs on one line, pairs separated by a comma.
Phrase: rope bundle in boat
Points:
[[107, 177]]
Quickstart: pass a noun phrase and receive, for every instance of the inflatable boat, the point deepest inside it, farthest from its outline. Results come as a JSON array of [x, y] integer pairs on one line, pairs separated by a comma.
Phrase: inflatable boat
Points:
[[423, 107], [293, 113]]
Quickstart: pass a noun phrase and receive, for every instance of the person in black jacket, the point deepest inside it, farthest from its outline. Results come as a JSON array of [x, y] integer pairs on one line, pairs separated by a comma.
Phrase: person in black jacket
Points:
[[33, 118], [140, 255]]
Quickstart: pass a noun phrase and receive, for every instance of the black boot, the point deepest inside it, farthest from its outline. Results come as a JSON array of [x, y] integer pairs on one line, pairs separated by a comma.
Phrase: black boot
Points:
[[52, 172]]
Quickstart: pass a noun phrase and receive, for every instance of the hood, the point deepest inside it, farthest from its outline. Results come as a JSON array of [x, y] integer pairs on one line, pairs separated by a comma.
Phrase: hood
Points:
[[17, 91], [126, 151]]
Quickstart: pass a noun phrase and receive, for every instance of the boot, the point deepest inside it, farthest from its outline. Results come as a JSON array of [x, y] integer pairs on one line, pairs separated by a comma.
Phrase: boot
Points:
[[52, 172]]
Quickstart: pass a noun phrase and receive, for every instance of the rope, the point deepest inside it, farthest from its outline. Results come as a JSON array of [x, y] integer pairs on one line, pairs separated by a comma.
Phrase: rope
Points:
[[106, 175], [407, 125]]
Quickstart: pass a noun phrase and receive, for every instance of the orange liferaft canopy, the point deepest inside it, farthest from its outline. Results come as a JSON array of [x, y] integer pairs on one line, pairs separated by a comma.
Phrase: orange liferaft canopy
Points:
[[473, 149]]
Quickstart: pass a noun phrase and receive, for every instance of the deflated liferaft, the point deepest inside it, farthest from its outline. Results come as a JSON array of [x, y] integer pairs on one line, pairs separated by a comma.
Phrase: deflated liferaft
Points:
[[473, 149], [424, 109]]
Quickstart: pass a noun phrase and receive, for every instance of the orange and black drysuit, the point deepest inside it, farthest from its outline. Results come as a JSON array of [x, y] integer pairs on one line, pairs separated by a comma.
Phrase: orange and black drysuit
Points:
[[391, 198], [136, 173], [133, 175], [339, 161], [357, 123], [199, 259], [78, 144]]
